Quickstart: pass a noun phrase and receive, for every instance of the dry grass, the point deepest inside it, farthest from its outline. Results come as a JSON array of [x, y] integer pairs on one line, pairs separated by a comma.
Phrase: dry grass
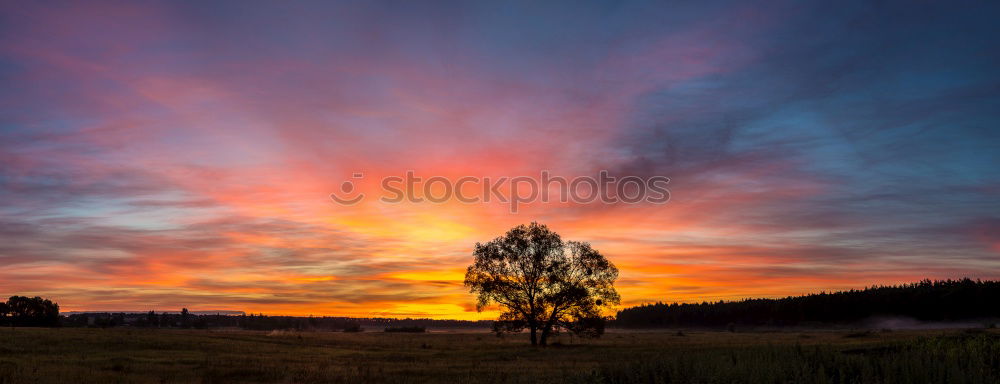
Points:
[[182, 356]]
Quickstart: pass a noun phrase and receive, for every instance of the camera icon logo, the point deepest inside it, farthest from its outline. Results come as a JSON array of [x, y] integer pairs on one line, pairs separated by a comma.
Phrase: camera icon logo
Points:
[[346, 189]]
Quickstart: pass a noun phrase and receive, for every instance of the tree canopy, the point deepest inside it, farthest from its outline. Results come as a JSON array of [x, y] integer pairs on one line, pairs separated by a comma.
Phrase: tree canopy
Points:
[[29, 311], [542, 283]]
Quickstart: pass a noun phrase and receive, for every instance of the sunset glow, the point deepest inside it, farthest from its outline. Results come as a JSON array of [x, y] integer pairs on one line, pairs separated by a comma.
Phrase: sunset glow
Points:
[[159, 155]]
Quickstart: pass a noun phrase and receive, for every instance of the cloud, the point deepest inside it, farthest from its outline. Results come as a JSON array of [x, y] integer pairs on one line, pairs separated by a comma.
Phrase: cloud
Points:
[[165, 155]]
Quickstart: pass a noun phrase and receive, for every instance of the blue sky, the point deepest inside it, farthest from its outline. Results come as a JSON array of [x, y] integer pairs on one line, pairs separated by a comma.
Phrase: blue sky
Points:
[[167, 154]]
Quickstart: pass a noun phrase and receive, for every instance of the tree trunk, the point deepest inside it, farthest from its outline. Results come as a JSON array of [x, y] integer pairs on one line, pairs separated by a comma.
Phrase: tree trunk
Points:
[[534, 336], [545, 337]]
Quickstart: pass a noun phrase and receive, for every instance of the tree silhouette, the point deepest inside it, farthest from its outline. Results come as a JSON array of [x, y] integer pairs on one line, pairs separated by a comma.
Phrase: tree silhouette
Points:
[[152, 320], [30, 312], [542, 283]]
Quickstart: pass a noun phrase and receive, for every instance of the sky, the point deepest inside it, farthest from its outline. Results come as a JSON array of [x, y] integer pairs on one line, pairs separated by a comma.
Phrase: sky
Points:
[[159, 155]]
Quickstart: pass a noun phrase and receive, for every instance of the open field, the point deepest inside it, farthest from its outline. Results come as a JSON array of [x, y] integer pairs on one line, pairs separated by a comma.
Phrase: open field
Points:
[[183, 356]]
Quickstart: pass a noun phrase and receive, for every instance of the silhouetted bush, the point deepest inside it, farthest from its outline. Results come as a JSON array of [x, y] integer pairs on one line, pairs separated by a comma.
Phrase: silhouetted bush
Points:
[[353, 327], [855, 335]]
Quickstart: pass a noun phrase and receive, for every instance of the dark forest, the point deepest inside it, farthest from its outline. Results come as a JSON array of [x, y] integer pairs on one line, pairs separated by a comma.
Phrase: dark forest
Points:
[[938, 301]]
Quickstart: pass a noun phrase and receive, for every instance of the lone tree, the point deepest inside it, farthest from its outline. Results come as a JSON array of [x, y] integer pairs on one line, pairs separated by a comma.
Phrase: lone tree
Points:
[[542, 283]]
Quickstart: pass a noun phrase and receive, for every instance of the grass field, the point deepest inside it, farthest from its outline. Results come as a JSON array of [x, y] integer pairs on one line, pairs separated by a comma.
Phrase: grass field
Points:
[[191, 356]]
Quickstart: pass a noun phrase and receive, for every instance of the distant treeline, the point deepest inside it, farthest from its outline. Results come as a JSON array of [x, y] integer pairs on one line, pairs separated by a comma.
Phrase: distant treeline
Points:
[[258, 322], [947, 300]]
